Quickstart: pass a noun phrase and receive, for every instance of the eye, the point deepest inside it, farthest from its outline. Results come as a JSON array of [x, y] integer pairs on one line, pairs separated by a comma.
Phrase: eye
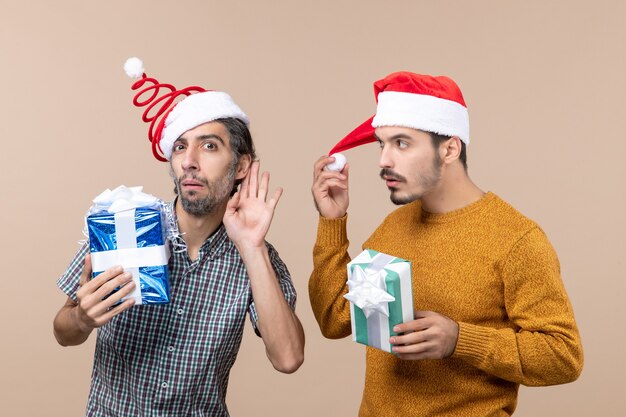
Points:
[[402, 144], [210, 146], [380, 143], [178, 147]]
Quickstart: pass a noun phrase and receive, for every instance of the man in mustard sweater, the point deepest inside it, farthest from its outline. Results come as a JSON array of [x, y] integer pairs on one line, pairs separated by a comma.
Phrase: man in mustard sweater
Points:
[[491, 309]]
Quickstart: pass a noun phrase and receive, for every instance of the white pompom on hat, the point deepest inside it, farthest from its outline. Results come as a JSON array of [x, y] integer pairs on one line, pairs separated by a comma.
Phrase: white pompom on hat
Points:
[[338, 164], [170, 118], [134, 67]]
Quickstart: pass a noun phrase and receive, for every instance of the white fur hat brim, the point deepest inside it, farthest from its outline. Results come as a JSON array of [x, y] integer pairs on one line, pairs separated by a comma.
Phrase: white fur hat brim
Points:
[[195, 110]]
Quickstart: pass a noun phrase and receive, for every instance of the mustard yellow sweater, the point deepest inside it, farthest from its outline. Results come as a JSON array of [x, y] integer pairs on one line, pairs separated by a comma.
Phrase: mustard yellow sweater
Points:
[[489, 268]]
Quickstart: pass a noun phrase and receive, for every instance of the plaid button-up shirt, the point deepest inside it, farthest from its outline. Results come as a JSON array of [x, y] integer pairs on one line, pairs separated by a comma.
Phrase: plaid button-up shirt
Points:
[[174, 359]]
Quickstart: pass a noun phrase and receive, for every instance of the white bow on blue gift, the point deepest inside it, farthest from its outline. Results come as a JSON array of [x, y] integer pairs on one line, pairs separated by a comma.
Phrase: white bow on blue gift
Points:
[[367, 290], [123, 198]]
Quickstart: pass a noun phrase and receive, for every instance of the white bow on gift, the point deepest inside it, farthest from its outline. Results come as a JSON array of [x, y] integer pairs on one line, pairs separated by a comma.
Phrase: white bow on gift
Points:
[[367, 291], [123, 198]]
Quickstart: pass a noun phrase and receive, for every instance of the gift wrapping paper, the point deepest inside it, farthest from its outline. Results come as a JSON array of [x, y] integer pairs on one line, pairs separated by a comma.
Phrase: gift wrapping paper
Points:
[[133, 238], [380, 295]]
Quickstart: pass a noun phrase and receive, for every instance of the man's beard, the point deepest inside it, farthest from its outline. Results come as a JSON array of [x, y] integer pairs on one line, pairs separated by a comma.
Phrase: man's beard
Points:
[[425, 181], [217, 192]]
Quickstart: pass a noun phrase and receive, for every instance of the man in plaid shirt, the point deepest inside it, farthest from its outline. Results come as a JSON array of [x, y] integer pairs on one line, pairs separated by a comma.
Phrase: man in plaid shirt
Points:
[[175, 359]]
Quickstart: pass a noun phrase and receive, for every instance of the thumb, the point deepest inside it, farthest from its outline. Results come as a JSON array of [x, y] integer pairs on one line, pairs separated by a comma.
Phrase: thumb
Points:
[[86, 274], [346, 170], [233, 204]]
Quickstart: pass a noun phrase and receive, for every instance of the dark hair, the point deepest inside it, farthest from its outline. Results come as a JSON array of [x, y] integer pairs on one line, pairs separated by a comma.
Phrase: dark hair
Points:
[[240, 142], [437, 139], [240, 137]]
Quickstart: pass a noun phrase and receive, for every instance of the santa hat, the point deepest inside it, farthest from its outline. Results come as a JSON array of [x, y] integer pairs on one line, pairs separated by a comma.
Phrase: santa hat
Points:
[[170, 117], [424, 102]]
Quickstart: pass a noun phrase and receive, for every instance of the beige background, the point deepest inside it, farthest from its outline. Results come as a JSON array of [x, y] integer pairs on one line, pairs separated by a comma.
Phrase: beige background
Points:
[[544, 81]]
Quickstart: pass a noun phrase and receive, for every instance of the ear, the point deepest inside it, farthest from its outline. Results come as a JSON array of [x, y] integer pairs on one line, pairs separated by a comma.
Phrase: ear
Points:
[[243, 166], [450, 150]]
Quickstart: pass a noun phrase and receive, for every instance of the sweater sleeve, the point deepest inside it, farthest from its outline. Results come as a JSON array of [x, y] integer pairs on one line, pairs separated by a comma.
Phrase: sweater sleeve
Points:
[[327, 284], [544, 347]]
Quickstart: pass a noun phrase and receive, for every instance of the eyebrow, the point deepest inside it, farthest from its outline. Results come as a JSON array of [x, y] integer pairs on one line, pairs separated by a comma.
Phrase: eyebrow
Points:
[[212, 136], [394, 137], [202, 137]]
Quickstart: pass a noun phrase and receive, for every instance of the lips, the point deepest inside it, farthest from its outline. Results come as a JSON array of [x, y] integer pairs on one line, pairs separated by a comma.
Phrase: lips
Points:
[[391, 181], [191, 183]]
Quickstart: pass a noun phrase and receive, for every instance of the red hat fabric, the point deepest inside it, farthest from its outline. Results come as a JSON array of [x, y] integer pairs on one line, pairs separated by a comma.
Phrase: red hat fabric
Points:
[[424, 102], [170, 117]]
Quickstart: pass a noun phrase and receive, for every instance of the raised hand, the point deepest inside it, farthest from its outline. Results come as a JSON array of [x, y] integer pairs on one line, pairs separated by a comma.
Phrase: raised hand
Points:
[[330, 189], [93, 310], [430, 336], [249, 212]]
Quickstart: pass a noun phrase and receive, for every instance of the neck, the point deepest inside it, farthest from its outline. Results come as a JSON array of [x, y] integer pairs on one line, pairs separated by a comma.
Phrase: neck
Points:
[[455, 190], [196, 229]]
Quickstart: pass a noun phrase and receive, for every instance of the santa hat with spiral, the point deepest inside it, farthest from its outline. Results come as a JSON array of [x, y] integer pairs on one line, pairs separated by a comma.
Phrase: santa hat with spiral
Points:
[[171, 112]]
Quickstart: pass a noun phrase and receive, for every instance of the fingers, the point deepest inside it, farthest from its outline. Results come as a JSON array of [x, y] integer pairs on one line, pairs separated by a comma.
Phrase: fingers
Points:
[[251, 187], [321, 163], [245, 184], [97, 296], [326, 179], [410, 337], [87, 271], [430, 336], [416, 345], [105, 318], [424, 313], [122, 280], [426, 350], [432, 349], [101, 308], [330, 189], [253, 179], [263, 186], [273, 201], [320, 175], [412, 326], [233, 203], [92, 285]]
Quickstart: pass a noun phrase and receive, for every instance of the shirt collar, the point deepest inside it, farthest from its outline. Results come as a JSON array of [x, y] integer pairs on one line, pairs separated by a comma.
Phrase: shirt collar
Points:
[[214, 245]]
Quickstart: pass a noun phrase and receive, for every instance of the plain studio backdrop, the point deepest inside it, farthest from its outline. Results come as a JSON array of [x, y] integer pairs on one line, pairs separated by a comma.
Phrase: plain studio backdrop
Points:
[[544, 82]]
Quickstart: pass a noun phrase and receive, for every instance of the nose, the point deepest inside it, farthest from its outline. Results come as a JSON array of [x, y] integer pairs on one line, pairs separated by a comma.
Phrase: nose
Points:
[[385, 160], [190, 160]]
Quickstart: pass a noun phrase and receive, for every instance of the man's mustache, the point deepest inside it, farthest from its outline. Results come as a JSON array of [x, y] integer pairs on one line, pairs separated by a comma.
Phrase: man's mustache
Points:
[[387, 173], [192, 177]]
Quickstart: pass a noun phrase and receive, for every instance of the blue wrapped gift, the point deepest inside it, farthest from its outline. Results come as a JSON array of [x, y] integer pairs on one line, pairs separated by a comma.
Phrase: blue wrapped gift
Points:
[[135, 239]]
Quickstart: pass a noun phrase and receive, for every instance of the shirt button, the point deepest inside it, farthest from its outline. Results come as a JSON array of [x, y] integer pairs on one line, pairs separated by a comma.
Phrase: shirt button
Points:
[[179, 311], [170, 348], [165, 385]]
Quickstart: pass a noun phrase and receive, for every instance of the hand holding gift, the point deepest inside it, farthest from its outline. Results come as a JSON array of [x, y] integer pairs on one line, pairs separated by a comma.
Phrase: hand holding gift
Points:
[[95, 309], [430, 336]]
